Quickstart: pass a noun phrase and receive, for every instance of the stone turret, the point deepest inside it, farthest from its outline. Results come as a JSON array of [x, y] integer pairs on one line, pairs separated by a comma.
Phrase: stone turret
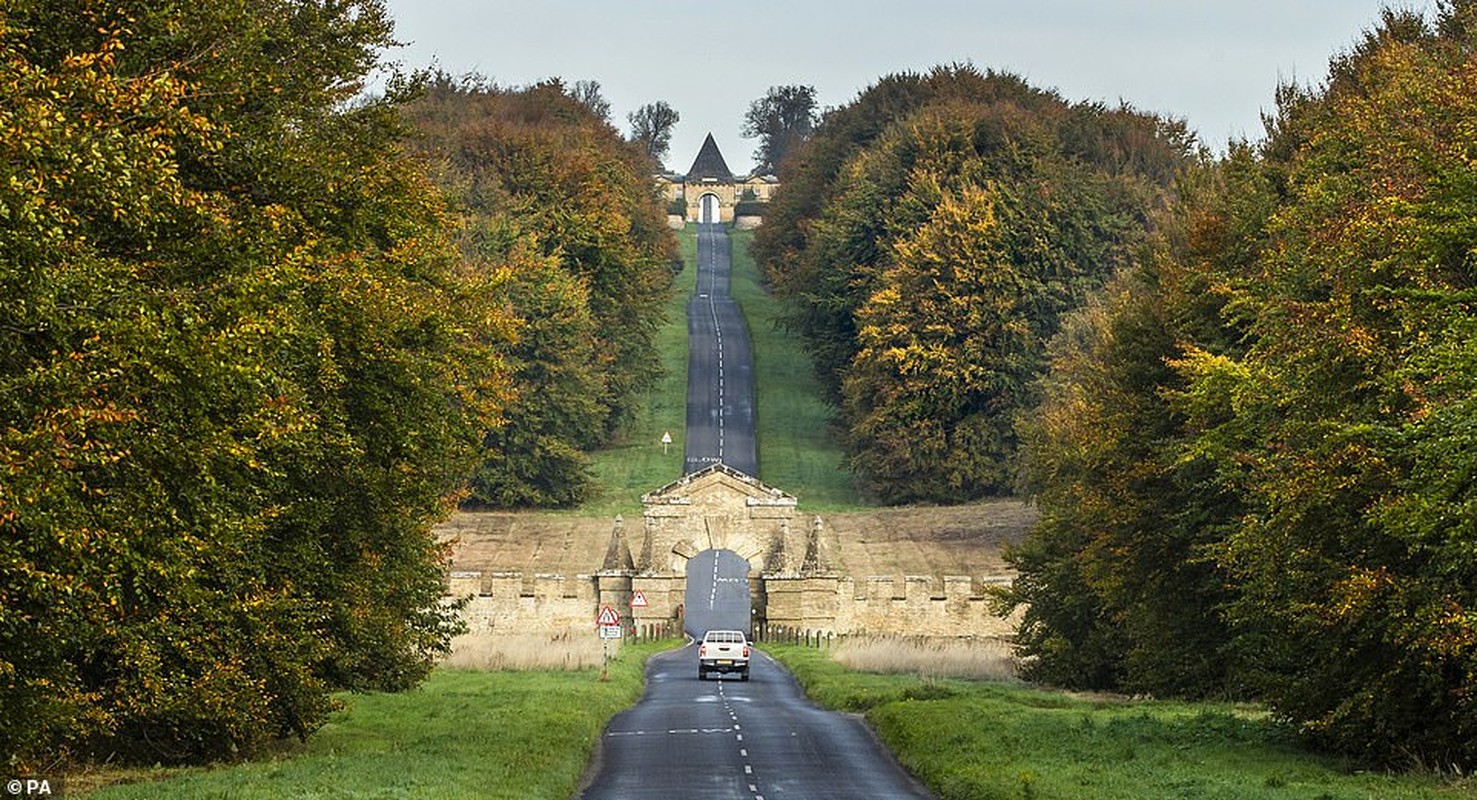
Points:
[[816, 562], [618, 554]]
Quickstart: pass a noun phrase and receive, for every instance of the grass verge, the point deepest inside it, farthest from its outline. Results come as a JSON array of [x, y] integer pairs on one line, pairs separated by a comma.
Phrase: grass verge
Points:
[[462, 734], [635, 463], [797, 452], [980, 740]]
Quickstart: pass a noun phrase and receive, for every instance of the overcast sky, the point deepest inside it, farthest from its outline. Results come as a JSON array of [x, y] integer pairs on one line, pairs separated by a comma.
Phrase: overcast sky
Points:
[[1214, 63]]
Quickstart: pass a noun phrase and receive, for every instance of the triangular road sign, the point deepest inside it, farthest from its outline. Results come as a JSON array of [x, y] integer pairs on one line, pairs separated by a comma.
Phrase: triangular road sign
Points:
[[638, 599], [608, 616]]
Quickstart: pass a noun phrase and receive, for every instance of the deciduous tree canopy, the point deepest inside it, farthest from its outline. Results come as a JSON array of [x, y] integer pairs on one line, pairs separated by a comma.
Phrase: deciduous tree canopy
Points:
[[651, 128], [242, 371], [780, 120], [1255, 459], [927, 241], [555, 200]]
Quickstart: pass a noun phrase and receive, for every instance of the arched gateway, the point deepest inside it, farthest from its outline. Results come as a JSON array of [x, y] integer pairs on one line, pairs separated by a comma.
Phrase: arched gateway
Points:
[[710, 192], [715, 516]]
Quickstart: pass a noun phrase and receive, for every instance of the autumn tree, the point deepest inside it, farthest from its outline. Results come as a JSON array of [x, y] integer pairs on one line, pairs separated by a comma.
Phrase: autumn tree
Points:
[[588, 94], [1300, 433], [962, 215], [241, 373], [553, 199]]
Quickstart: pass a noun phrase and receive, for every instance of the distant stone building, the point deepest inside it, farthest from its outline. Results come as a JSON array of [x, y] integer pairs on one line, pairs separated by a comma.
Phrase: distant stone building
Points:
[[710, 192]]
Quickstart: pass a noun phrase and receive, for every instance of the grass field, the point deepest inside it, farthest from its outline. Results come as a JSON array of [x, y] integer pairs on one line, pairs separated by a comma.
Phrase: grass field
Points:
[[796, 450], [635, 463], [977, 740], [463, 734]]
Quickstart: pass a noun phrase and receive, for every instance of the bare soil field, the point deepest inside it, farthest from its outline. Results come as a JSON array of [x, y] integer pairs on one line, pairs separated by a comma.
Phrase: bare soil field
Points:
[[953, 540]]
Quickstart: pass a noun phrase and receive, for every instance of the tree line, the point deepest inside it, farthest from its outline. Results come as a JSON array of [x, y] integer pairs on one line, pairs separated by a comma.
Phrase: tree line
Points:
[[927, 239], [549, 193], [1240, 388], [1254, 453], [260, 331]]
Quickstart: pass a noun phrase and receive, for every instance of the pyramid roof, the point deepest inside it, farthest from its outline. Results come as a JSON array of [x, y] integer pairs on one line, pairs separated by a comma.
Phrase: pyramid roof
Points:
[[709, 163]]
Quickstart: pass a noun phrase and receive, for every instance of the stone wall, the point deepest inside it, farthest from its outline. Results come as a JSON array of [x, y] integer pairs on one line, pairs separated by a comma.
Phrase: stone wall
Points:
[[797, 577], [950, 605]]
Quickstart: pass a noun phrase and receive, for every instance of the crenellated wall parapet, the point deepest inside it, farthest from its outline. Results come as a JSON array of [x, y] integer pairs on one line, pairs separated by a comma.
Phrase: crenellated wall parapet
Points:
[[931, 605]]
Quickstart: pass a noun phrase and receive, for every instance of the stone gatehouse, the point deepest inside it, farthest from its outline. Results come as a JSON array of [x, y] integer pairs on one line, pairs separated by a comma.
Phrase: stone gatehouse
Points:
[[710, 192], [794, 579]]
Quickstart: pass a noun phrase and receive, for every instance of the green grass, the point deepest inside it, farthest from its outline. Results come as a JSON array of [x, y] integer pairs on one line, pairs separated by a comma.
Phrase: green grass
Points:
[[514, 735], [796, 450], [634, 463], [980, 740]]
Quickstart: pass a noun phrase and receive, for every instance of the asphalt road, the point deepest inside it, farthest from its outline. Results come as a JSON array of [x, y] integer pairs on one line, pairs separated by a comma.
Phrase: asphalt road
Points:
[[717, 595], [720, 372], [722, 739]]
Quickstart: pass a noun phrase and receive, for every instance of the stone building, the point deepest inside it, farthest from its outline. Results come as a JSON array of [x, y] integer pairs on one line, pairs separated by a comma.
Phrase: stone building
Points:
[[710, 192], [795, 580]]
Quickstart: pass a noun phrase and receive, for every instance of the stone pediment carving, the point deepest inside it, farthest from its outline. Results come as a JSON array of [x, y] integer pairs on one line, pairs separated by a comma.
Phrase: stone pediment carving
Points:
[[719, 484]]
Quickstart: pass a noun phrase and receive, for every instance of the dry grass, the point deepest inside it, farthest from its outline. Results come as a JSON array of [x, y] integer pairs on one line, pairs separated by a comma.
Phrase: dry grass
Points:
[[973, 657], [527, 651]]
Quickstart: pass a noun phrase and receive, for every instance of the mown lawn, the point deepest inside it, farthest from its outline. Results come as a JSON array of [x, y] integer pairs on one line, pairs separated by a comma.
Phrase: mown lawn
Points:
[[984, 740], [463, 734]]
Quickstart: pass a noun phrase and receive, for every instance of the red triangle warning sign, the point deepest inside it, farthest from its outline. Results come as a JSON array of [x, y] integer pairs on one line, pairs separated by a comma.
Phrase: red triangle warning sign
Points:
[[608, 616], [638, 600]]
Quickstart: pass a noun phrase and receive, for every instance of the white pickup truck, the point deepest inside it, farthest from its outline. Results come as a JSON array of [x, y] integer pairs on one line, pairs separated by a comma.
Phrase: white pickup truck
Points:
[[723, 651]]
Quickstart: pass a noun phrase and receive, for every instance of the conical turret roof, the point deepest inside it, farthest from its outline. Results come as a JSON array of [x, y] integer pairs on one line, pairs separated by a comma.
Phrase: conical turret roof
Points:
[[709, 163]]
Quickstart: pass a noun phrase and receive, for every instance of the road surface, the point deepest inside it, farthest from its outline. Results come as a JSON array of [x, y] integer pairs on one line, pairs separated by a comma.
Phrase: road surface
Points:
[[723, 739], [720, 373], [727, 739], [717, 595]]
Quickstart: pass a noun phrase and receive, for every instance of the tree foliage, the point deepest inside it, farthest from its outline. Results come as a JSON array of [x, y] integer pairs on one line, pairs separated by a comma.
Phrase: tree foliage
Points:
[[651, 128], [1300, 427], [241, 374], [780, 120], [552, 197], [928, 242]]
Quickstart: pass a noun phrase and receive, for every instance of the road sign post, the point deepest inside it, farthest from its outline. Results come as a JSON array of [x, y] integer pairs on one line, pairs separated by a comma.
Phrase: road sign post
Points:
[[666, 441], [609, 625]]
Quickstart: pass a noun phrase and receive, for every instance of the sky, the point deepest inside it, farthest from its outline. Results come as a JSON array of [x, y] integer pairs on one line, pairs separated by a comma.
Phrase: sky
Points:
[[1213, 63]]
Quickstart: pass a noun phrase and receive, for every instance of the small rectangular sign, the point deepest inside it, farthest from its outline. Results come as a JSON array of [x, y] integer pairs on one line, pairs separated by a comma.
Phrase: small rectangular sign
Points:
[[610, 631]]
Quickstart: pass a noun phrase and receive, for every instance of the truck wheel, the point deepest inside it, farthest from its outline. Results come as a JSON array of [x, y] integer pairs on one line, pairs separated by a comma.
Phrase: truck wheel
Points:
[[700, 674], [743, 676]]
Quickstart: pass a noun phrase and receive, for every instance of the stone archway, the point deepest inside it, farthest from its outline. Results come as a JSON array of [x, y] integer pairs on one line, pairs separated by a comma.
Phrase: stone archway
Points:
[[709, 208], [716, 595]]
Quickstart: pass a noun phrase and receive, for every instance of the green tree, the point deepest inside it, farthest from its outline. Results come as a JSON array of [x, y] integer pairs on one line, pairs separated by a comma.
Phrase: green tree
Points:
[[651, 128], [780, 120], [242, 373], [967, 213], [1313, 372], [554, 199]]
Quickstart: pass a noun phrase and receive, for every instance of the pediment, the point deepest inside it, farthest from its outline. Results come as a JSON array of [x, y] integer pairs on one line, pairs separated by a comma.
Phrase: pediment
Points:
[[718, 484]]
